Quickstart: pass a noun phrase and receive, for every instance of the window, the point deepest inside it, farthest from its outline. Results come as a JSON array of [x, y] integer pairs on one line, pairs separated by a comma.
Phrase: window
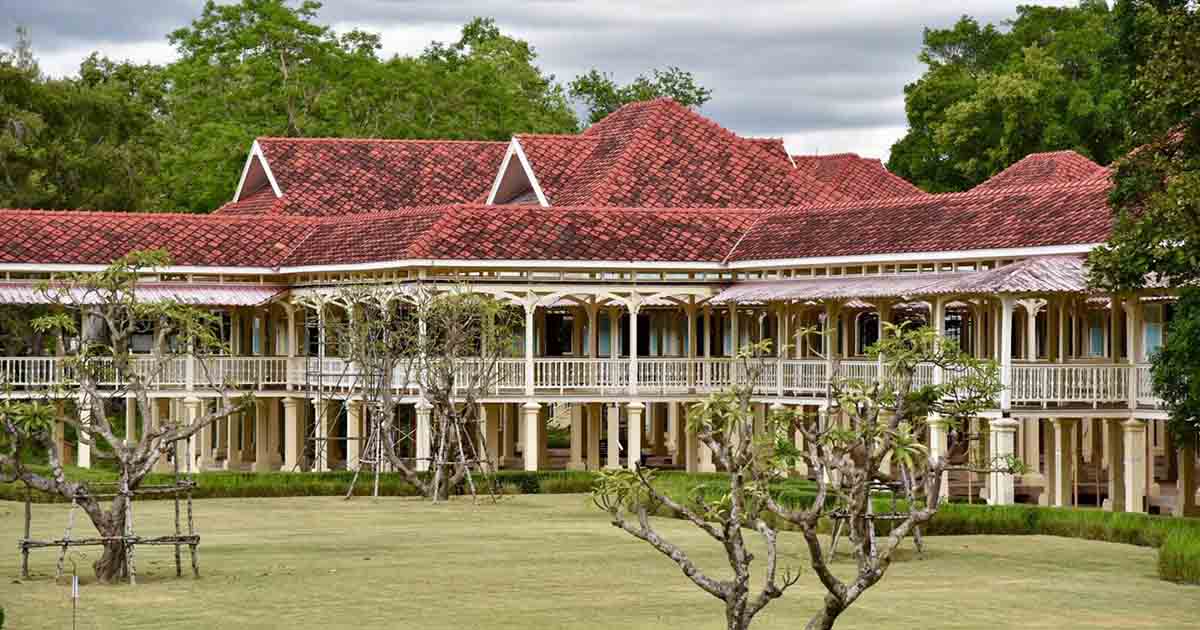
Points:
[[1154, 330], [1095, 334]]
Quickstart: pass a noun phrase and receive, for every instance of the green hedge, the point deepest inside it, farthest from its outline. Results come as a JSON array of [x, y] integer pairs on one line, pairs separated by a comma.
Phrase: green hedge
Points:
[[216, 484], [1179, 557]]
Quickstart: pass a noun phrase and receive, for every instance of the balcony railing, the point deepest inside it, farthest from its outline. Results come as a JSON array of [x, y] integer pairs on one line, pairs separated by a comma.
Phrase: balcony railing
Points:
[[1031, 384]]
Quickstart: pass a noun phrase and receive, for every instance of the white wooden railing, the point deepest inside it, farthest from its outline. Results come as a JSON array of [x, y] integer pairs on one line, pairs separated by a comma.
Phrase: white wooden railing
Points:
[[1030, 384], [1067, 383]]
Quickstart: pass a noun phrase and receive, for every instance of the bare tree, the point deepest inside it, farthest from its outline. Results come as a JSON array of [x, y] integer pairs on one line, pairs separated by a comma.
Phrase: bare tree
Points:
[[881, 422], [724, 423], [867, 430], [446, 346], [103, 309]]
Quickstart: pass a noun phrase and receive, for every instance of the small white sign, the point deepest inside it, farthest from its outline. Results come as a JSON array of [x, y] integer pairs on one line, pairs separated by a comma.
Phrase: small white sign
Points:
[[74, 587]]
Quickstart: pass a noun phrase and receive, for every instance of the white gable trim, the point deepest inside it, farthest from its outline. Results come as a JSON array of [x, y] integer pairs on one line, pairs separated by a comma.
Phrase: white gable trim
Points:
[[256, 153], [514, 148]]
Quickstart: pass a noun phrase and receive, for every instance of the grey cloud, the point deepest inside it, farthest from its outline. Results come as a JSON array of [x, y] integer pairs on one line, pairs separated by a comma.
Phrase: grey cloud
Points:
[[778, 67]]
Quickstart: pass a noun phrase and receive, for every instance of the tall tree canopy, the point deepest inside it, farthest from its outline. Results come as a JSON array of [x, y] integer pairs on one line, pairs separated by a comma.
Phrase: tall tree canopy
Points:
[[1053, 78], [265, 67], [82, 142], [601, 95], [122, 136], [1157, 193]]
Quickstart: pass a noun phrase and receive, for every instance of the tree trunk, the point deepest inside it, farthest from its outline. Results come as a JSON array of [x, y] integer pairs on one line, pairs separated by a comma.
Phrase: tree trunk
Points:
[[110, 566], [824, 618]]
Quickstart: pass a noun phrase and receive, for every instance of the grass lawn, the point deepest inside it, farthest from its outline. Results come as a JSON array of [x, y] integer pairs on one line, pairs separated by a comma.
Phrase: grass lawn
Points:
[[549, 561]]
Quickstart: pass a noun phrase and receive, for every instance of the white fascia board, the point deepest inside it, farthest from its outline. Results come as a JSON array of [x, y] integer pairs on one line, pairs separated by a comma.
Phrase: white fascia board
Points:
[[977, 254], [586, 264], [256, 154], [965, 254], [507, 264], [533, 180], [514, 149], [491, 198], [181, 269]]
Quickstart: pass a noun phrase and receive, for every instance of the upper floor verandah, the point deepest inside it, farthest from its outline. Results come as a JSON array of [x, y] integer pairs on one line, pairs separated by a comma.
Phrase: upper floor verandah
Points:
[[1058, 344]]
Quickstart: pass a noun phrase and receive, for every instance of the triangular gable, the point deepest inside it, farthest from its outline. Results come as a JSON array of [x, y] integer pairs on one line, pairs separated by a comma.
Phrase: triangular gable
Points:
[[255, 174], [515, 178]]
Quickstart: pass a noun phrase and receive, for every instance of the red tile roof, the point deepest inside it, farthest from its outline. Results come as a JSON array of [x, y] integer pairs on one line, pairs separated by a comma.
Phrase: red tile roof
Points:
[[479, 232], [53, 237], [1031, 216], [330, 176], [261, 201], [1055, 167], [659, 154], [854, 176]]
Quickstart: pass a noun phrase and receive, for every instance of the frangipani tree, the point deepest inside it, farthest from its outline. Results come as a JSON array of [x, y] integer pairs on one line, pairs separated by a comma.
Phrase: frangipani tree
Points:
[[104, 311], [447, 345], [867, 431]]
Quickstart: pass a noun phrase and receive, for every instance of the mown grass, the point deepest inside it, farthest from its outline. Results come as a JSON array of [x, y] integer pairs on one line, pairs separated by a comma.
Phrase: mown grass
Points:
[[1179, 563], [551, 561]]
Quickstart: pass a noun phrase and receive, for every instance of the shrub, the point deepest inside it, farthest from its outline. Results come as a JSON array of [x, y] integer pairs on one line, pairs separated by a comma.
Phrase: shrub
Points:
[[1179, 557]]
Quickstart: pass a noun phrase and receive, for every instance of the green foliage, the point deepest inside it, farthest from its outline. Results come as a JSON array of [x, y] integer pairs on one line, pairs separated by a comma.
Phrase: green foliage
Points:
[[83, 142], [601, 94], [1176, 368], [1156, 199], [1054, 80], [1179, 557], [123, 136]]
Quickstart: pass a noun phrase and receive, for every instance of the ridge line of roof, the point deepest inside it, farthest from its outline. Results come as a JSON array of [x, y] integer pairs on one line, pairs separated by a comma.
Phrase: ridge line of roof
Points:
[[392, 140]]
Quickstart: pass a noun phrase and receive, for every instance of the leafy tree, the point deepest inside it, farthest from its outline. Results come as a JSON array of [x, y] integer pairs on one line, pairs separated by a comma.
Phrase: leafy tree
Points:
[[1056, 79], [266, 67], [84, 142], [1156, 200], [103, 309], [601, 94], [882, 422]]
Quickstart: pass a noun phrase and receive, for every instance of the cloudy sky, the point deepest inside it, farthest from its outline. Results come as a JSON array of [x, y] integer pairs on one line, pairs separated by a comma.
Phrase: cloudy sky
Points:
[[826, 75]]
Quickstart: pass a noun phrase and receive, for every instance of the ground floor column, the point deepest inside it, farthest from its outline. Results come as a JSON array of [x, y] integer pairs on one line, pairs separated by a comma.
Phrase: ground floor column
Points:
[[130, 420], [633, 421], [594, 424], [531, 411], [1031, 453], [677, 424], [705, 456], [321, 445], [160, 412], [938, 449], [192, 408], [424, 435], [1185, 484], [508, 441], [1003, 436], [1064, 461], [262, 431], [658, 428], [1134, 432], [354, 433], [578, 435], [489, 418], [83, 450], [291, 434], [235, 440], [614, 437], [1116, 464]]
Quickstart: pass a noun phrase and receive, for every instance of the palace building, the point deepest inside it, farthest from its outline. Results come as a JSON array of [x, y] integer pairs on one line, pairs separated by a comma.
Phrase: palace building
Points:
[[643, 251]]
